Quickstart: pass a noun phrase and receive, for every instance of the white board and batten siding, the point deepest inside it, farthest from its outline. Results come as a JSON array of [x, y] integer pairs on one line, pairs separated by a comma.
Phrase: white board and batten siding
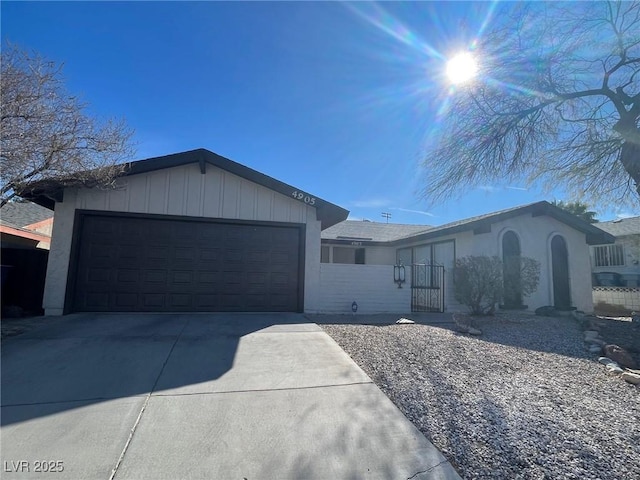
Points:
[[181, 191], [184, 191]]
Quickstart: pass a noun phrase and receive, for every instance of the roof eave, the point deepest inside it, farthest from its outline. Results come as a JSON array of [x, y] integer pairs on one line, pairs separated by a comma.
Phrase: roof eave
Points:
[[327, 213]]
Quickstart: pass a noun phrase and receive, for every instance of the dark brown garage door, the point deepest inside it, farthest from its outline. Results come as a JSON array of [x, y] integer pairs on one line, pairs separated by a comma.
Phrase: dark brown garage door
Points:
[[131, 263]]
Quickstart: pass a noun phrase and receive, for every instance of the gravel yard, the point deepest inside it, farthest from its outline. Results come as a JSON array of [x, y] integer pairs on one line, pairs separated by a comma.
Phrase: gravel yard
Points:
[[524, 400]]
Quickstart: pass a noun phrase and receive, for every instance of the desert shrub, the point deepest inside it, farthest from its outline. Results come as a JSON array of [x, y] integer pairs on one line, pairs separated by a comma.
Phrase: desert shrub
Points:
[[479, 281], [523, 282]]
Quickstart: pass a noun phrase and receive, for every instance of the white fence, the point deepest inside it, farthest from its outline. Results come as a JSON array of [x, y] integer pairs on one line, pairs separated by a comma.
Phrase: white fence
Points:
[[625, 297], [370, 286]]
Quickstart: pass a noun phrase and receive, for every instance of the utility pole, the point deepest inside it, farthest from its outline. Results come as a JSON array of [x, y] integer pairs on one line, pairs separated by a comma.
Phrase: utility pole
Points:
[[386, 215]]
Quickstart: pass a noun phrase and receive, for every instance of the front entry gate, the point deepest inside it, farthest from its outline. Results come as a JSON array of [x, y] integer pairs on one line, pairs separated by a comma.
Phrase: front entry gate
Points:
[[427, 287]]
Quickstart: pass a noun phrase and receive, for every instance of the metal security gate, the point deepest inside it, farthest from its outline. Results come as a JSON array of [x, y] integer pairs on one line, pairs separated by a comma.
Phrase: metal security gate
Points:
[[427, 287]]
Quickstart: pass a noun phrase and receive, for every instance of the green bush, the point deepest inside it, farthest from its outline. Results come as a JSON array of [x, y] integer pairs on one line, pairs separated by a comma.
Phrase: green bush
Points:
[[480, 286]]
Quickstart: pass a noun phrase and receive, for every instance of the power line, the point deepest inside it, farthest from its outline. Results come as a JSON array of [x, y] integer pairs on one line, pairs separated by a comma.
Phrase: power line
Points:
[[386, 215]]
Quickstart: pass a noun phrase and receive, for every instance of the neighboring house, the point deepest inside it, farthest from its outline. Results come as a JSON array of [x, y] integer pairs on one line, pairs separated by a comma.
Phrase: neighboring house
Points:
[[621, 257], [25, 225], [616, 265], [557, 240], [25, 236], [195, 231]]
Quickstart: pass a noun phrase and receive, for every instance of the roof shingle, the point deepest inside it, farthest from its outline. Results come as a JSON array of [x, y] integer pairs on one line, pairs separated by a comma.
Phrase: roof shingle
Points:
[[371, 231], [21, 214], [621, 227]]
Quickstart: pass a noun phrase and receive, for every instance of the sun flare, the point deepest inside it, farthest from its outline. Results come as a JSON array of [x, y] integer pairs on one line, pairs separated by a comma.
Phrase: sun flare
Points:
[[462, 68]]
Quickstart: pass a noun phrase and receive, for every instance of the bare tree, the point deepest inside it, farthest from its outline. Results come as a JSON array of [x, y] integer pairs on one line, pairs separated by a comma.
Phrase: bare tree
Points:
[[46, 134], [557, 101]]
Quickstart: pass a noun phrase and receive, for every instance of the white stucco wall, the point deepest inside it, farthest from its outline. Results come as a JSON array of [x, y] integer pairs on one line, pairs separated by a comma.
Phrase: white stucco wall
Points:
[[181, 191], [535, 234], [370, 286]]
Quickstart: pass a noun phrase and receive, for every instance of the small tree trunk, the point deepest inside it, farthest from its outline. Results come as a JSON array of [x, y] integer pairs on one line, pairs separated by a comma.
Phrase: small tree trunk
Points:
[[630, 158], [630, 152]]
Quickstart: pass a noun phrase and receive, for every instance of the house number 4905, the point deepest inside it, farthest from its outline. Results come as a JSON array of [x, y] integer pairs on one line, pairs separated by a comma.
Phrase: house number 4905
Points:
[[303, 197]]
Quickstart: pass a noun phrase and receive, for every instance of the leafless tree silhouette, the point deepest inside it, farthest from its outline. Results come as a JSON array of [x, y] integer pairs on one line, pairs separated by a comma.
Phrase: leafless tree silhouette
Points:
[[557, 102], [46, 134]]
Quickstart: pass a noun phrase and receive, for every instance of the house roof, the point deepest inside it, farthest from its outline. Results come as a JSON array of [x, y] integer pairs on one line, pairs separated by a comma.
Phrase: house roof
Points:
[[47, 192], [21, 214], [353, 230], [482, 224], [621, 227]]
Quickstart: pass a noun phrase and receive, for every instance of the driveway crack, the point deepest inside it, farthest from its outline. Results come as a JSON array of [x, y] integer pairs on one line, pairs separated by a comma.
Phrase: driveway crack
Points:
[[428, 469], [144, 405]]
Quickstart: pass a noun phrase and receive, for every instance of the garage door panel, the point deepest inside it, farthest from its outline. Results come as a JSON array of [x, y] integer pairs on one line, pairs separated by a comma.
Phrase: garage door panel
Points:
[[97, 300], [207, 279], [206, 301], [127, 275], [125, 300], [209, 254], [153, 300], [128, 253], [179, 301], [98, 274], [158, 264], [182, 277]]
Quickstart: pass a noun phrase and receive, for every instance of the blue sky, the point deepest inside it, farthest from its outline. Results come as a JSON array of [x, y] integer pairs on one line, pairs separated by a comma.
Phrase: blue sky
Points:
[[337, 99]]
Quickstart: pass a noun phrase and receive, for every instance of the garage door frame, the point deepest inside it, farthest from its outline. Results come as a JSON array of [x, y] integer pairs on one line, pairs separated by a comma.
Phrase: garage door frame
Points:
[[81, 214]]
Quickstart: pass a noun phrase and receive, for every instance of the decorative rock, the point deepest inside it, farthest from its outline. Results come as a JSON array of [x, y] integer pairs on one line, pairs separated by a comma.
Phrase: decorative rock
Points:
[[595, 349], [405, 321], [596, 341], [462, 321], [620, 355], [631, 377], [462, 328], [474, 331], [605, 360], [614, 369]]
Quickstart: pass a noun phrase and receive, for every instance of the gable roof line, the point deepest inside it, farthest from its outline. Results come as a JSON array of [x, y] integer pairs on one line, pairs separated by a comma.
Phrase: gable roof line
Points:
[[594, 235], [24, 233], [359, 231], [328, 213]]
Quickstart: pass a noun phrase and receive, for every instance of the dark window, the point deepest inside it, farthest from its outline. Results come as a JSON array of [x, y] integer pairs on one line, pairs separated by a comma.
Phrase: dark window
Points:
[[348, 255], [403, 256], [324, 254]]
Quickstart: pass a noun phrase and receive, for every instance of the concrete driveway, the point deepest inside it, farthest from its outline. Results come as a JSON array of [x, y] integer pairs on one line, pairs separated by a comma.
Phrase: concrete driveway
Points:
[[170, 396]]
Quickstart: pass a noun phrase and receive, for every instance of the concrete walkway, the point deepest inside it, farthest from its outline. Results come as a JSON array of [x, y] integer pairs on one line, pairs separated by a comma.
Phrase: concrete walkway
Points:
[[160, 396]]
